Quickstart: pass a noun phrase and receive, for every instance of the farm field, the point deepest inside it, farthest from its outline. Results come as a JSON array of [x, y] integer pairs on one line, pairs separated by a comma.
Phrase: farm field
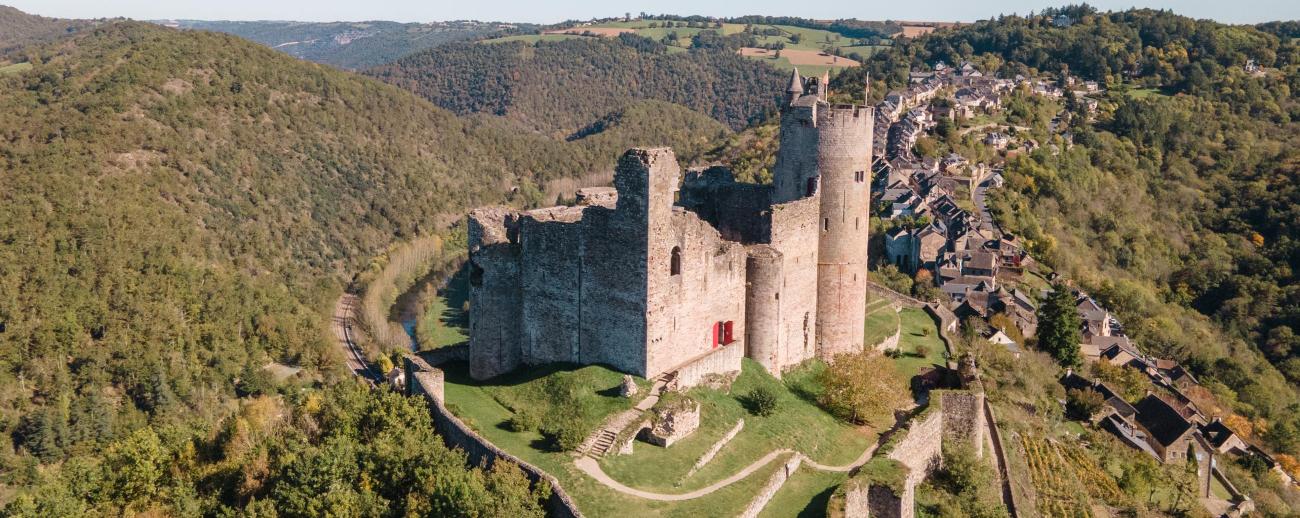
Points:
[[808, 53]]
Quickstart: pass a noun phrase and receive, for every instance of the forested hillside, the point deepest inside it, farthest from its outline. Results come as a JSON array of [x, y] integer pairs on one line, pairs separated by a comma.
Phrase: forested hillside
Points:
[[1177, 207], [18, 28], [560, 87], [177, 211], [350, 45]]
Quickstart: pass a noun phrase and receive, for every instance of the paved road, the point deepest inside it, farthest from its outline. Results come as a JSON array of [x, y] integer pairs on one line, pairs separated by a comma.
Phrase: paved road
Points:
[[981, 204], [342, 324]]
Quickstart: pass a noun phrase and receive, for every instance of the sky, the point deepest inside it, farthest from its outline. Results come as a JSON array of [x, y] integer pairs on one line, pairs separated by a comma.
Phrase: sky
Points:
[[550, 11]]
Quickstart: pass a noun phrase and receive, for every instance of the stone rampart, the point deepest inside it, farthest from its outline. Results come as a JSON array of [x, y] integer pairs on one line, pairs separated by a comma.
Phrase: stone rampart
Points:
[[772, 486], [723, 361], [886, 486], [894, 296], [427, 382], [889, 343]]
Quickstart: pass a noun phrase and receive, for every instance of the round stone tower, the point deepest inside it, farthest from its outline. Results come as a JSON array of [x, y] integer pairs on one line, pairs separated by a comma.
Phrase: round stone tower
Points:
[[844, 136], [763, 307]]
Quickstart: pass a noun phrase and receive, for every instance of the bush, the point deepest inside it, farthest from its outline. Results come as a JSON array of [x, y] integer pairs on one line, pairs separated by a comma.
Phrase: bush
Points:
[[761, 401], [1082, 404], [923, 350], [524, 421], [563, 434]]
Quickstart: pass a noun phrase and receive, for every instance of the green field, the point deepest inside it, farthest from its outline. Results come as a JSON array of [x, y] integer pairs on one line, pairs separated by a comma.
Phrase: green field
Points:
[[797, 424], [475, 403], [918, 330], [810, 39], [15, 68], [881, 321], [445, 322], [805, 494]]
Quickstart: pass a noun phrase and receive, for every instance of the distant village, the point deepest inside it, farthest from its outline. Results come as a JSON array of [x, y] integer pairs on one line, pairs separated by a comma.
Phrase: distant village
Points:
[[941, 224]]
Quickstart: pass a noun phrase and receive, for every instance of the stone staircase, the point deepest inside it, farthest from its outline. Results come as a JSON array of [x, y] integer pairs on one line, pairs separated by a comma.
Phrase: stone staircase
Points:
[[599, 443]]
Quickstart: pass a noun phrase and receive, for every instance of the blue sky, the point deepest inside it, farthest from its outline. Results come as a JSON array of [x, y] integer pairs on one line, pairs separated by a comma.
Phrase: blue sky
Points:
[[1238, 11]]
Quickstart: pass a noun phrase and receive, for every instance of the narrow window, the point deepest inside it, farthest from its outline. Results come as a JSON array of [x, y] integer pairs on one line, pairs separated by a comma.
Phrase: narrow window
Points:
[[826, 223], [860, 176], [675, 262], [811, 187], [857, 223]]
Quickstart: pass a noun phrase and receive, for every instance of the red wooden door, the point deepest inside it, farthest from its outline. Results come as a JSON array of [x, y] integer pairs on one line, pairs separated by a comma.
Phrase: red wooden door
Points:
[[715, 334]]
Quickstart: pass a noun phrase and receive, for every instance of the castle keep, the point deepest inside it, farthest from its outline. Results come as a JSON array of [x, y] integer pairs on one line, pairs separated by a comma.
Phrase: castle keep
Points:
[[662, 272]]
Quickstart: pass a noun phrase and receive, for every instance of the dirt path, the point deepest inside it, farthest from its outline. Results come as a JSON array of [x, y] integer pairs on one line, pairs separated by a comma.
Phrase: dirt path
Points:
[[591, 467]]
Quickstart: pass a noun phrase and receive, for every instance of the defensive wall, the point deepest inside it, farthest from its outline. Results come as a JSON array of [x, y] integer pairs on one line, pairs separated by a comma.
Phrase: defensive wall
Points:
[[885, 487], [427, 381]]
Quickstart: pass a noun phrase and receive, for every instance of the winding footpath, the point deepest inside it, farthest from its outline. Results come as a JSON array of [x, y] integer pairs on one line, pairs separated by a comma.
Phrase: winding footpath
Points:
[[591, 467]]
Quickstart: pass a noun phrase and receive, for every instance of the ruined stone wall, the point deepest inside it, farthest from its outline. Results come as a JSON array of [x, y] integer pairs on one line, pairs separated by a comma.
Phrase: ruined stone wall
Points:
[[612, 289], [686, 310], [963, 418], [495, 290], [551, 269], [844, 163], [921, 448], [737, 210], [794, 234], [773, 485]]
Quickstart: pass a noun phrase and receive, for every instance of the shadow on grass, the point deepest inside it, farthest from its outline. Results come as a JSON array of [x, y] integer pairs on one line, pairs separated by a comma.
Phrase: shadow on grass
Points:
[[816, 508]]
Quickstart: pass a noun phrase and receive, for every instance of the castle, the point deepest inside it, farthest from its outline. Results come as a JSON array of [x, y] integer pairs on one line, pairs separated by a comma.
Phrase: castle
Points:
[[660, 273]]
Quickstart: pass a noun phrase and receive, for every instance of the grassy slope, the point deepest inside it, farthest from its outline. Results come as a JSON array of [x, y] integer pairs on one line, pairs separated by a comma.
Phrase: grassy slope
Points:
[[797, 424]]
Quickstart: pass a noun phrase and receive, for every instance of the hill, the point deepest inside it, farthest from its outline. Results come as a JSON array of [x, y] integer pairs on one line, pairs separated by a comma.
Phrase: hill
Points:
[[1175, 206], [349, 45], [172, 223], [559, 87], [18, 28]]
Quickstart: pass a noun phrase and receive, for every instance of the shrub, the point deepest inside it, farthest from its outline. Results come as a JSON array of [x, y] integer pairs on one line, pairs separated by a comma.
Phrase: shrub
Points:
[[1082, 404], [761, 401], [563, 434], [524, 421], [923, 350]]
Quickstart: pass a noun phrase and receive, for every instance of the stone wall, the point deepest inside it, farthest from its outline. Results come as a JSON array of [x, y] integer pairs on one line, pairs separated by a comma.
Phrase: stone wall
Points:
[[894, 296], [963, 417], [724, 360], [772, 486], [889, 343], [427, 382], [886, 486], [795, 235]]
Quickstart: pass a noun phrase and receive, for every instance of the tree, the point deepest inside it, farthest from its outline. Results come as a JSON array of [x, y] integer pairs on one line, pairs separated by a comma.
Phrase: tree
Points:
[[1058, 327], [861, 387], [1083, 404]]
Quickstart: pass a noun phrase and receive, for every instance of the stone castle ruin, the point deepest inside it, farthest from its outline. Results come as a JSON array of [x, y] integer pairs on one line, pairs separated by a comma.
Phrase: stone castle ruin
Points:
[[661, 273]]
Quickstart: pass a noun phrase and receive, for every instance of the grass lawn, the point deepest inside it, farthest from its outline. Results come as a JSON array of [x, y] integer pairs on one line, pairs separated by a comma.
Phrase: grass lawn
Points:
[[805, 494], [444, 322], [15, 68], [1140, 93], [797, 424], [475, 403], [918, 330], [881, 321]]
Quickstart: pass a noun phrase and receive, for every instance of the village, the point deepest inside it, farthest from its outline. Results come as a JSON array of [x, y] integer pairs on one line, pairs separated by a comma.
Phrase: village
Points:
[[939, 230]]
